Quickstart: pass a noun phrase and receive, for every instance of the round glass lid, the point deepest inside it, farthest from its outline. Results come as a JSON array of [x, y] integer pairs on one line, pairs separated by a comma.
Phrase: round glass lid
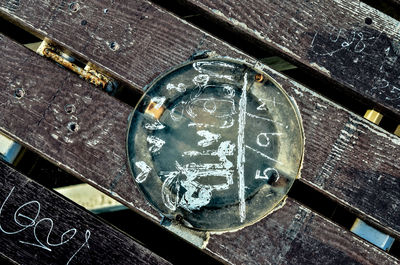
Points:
[[215, 144]]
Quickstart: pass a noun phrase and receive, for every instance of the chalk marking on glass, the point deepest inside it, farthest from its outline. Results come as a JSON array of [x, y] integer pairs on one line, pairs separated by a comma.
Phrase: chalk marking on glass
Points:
[[265, 173], [154, 126], [210, 106], [199, 67], [180, 87], [263, 155], [209, 138], [262, 106], [241, 149], [229, 91], [145, 171], [262, 118], [156, 143], [174, 116], [165, 191], [196, 194], [199, 124], [197, 153], [264, 102], [201, 80], [159, 100], [265, 135]]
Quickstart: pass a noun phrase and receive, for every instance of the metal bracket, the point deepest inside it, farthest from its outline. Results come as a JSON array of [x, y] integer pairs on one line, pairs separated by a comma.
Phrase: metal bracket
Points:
[[88, 73]]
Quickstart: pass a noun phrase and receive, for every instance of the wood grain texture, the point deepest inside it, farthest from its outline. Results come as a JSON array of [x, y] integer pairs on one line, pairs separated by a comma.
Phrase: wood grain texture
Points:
[[351, 160], [348, 41], [149, 40], [88, 162], [34, 223], [349, 175], [295, 235], [38, 120], [95, 151]]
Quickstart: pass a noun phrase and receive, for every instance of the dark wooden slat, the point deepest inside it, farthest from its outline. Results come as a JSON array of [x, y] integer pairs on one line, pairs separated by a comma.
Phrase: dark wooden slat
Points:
[[101, 164], [352, 161], [148, 40], [171, 41], [296, 235], [95, 152], [122, 184], [348, 41], [38, 226]]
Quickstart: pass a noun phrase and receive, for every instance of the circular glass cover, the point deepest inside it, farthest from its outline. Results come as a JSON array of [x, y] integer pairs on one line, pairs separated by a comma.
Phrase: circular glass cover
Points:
[[215, 144]]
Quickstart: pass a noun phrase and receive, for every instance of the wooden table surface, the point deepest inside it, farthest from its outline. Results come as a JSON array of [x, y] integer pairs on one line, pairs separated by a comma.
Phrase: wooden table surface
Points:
[[346, 55]]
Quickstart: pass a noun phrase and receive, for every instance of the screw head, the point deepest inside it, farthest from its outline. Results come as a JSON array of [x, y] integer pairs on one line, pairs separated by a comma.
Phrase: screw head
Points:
[[19, 93], [259, 78]]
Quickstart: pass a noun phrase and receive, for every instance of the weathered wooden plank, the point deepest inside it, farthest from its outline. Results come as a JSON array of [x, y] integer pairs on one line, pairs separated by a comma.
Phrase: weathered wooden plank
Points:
[[95, 152], [41, 121], [348, 41], [146, 40], [122, 184], [350, 160], [313, 240], [38, 226], [353, 161], [169, 41]]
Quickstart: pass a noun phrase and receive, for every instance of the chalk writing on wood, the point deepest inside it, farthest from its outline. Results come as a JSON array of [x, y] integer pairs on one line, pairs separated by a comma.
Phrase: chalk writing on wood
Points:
[[347, 54], [26, 217]]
